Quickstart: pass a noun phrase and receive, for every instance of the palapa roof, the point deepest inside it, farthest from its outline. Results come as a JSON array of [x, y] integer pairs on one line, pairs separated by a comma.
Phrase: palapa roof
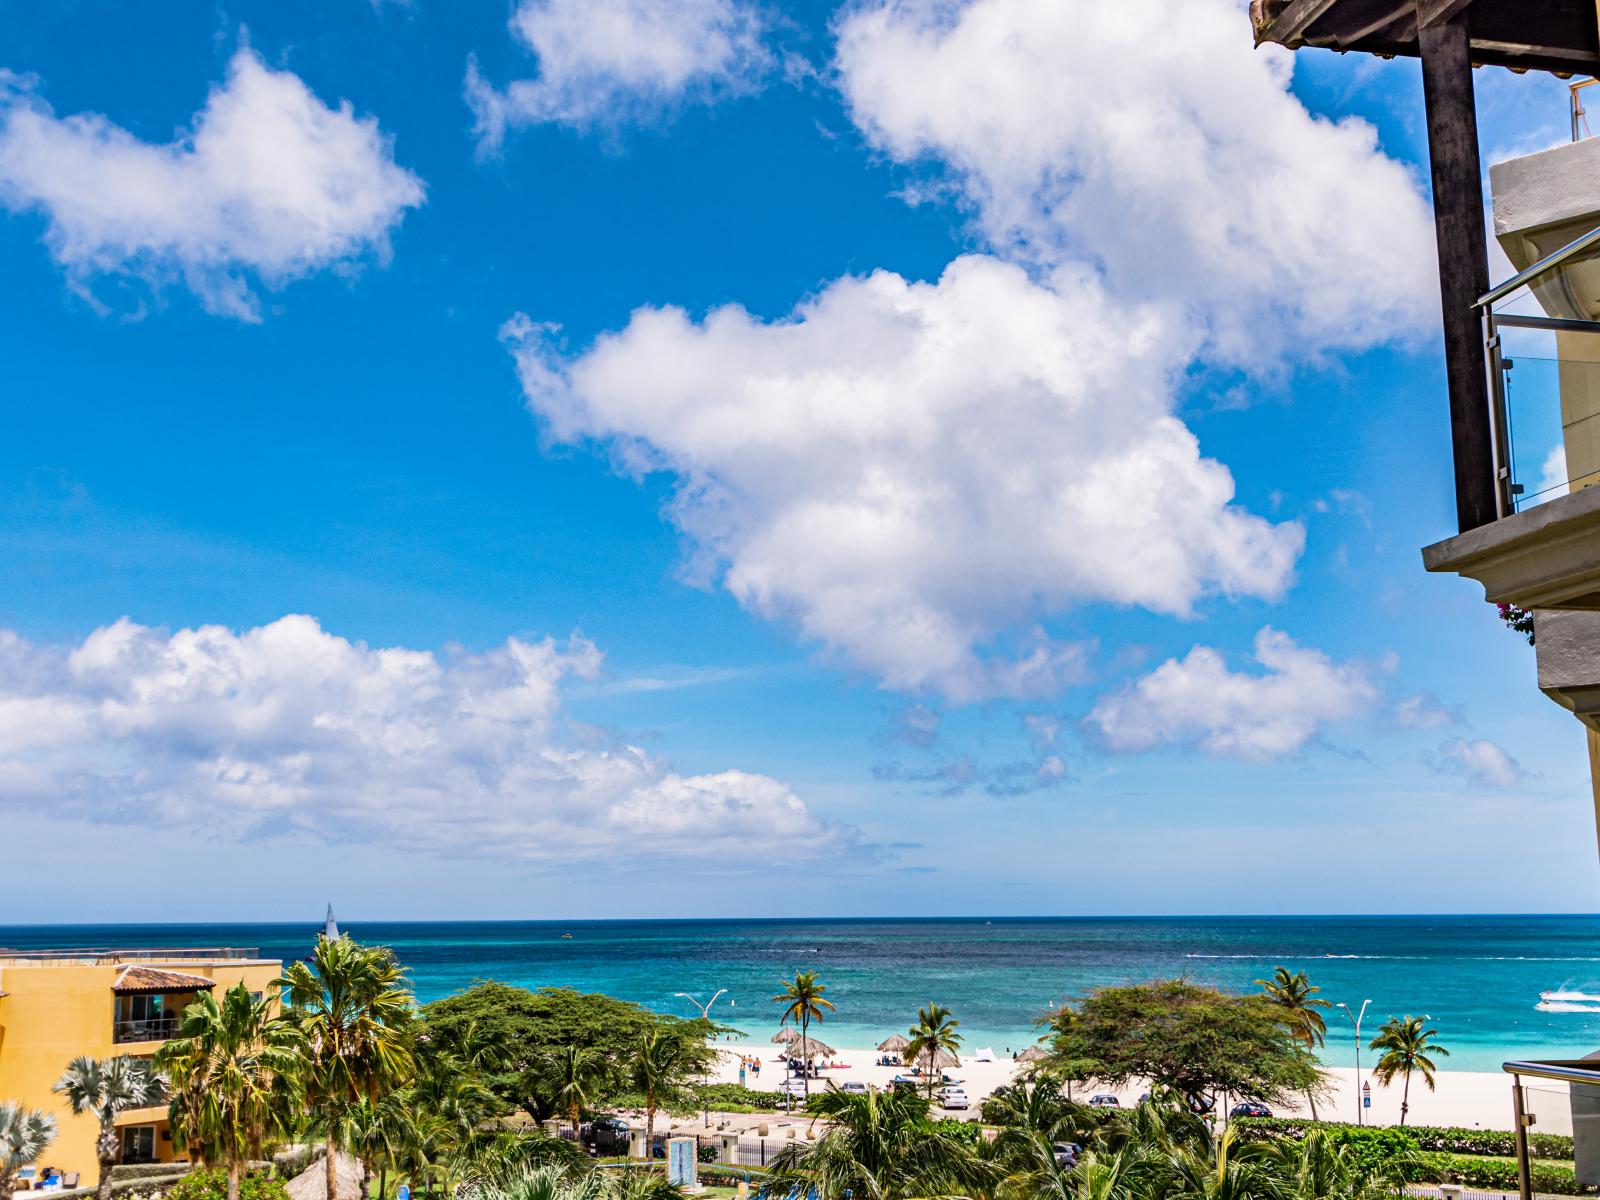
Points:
[[809, 1047], [312, 1183], [1540, 35], [895, 1044], [786, 1035], [1033, 1054], [941, 1059], [139, 980]]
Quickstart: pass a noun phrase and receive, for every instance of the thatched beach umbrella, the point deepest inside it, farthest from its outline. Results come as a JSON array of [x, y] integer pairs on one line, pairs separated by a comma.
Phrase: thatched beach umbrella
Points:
[[809, 1048], [895, 1044], [312, 1183], [1033, 1054], [942, 1059], [785, 1035]]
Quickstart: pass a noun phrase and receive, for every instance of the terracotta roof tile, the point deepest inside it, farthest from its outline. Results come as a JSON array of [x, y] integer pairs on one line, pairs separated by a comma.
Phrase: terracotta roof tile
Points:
[[153, 979]]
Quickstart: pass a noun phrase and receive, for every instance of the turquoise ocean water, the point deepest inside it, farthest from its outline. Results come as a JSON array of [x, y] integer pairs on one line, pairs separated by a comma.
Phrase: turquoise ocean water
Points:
[[1478, 977]]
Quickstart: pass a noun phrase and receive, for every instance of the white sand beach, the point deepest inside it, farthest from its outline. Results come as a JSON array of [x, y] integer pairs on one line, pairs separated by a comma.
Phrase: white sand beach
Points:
[[1472, 1099]]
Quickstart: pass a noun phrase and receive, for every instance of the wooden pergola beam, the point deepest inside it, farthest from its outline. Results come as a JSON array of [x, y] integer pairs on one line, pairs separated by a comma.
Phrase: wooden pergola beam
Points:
[[1290, 25], [1436, 12]]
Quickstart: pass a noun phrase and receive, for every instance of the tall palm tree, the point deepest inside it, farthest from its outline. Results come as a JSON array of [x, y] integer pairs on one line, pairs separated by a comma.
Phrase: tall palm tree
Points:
[[881, 1146], [1296, 998], [234, 1072], [572, 1072], [1407, 1046], [803, 1001], [660, 1067], [25, 1134], [934, 1031], [102, 1089], [352, 1012]]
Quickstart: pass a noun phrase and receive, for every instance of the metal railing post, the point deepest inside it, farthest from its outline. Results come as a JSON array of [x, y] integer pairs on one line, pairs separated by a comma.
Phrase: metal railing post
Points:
[[1499, 428], [1520, 1112]]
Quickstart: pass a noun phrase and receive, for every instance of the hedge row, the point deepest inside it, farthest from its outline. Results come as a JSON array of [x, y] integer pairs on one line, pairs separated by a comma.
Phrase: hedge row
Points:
[[1448, 1140], [147, 1170], [1498, 1173]]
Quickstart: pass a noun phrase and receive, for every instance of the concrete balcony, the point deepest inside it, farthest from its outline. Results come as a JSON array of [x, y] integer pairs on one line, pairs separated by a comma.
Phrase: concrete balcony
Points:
[[1544, 557]]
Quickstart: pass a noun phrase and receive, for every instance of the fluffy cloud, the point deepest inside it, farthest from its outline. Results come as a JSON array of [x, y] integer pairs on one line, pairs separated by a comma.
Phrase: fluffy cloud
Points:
[[603, 62], [1481, 761], [287, 728], [1256, 717], [917, 474], [1181, 164], [270, 186]]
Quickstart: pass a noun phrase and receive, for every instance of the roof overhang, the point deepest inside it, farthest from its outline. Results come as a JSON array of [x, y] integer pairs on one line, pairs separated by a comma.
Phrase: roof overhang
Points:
[[1562, 36], [147, 981]]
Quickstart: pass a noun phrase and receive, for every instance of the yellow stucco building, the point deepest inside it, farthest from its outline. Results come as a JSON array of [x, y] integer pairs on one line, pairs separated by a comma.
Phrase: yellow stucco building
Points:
[[58, 1004]]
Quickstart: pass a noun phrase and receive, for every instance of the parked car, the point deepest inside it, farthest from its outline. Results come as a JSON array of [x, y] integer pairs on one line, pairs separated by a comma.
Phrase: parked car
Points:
[[1250, 1108], [1066, 1153], [792, 1087], [851, 1087], [1104, 1100], [951, 1096], [608, 1135]]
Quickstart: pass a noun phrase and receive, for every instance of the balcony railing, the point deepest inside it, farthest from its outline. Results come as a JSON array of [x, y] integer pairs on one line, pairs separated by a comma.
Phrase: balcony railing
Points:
[[145, 1029], [1542, 355], [1555, 1108]]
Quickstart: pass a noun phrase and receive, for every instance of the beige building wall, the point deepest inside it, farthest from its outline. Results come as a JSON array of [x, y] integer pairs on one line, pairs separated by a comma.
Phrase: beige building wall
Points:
[[56, 1007]]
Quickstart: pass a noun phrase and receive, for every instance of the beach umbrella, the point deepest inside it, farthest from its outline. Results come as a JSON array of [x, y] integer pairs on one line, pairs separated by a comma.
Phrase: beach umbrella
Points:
[[786, 1035], [942, 1059], [895, 1044], [1033, 1054], [809, 1048]]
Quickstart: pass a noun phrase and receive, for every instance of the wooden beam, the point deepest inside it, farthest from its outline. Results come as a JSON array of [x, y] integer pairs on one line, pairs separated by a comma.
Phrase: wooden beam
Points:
[[1436, 12], [1290, 25], [1463, 257]]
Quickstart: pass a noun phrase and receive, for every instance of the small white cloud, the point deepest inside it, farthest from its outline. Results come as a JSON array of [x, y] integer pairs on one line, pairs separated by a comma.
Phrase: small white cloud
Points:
[[917, 474], [288, 729], [1554, 479], [270, 186], [1255, 717], [1481, 761], [1423, 712], [610, 62]]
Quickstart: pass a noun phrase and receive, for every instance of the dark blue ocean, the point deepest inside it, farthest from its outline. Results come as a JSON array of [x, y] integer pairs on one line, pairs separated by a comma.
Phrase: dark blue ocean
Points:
[[1478, 977]]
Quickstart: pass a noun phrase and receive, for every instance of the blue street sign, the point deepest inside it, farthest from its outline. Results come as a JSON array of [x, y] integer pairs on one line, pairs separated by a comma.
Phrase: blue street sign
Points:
[[403, 1192]]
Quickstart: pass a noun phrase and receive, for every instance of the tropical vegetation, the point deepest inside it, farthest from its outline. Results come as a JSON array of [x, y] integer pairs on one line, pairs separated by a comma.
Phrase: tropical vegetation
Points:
[[933, 1036], [25, 1134], [1408, 1047], [103, 1089], [803, 1002]]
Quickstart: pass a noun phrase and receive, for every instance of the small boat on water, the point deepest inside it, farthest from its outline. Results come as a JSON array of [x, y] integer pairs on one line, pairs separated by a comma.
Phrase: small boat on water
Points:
[[1567, 995], [1565, 1006], [566, 937]]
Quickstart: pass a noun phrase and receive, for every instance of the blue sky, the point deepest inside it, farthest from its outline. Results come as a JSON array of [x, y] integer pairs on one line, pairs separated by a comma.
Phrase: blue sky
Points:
[[847, 613]]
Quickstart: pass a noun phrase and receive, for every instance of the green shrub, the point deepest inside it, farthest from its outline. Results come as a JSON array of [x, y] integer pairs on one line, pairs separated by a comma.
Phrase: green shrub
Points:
[[147, 1170], [722, 1097], [213, 1185], [1501, 1143], [968, 1133], [1476, 1170]]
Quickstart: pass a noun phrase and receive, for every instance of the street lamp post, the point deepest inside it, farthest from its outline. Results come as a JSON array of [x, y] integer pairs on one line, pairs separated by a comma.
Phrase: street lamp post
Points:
[[705, 1015], [1355, 1019]]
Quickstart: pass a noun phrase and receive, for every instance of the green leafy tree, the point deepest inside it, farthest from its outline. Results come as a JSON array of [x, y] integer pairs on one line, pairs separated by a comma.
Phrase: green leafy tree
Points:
[[882, 1146], [518, 1031], [661, 1069], [102, 1089], [1059, 1027], [234, 1071], [933, 1034], [25, 1134], [1408, 1046], [1194, 1039], [804, 1002], [1296, 1002], [574, 1072], [352, 1012]]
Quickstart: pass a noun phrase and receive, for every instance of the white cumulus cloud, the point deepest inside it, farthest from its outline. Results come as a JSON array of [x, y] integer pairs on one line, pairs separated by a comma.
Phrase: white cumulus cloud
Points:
[[1481, 761], [1180, 164], [287, 728], [918, 474], [1234, 714], [606, 62], [269, 186]]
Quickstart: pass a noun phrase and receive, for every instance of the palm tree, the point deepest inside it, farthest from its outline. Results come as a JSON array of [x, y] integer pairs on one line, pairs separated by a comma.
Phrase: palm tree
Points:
[[25, 1134], [234, 1071], [103, 1088], [803, 1003], [934, 1031], [573, 1070], [352, 1012], [1297, 999], [660, 1066], [1406, 1047], [881, 1146]]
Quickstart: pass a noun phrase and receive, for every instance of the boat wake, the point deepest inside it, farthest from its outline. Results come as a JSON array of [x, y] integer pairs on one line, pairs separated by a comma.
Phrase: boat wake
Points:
[[1566, 1006]]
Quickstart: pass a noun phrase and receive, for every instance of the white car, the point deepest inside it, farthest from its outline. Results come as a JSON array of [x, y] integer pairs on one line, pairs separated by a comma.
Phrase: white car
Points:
[[792, 1087], [853, 1087], [953, 1097], [1104, 1100]]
